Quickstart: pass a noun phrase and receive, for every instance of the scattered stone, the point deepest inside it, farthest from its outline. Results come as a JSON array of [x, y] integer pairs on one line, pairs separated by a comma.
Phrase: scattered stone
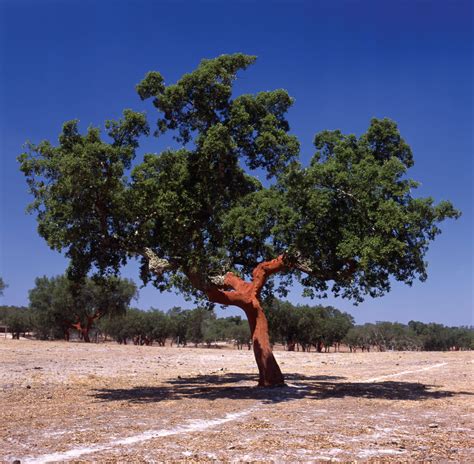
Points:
[[433, 426]]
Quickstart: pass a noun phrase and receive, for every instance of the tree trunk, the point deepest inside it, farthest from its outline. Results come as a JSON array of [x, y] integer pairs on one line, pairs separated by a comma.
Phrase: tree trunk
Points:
[[85, 334], [84, 330], [269, 372], [231, 290], [319, 346]]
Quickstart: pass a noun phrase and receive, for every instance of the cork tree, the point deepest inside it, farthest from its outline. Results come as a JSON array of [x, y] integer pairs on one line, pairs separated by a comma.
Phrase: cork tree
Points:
[[201, 222], [60, 304]]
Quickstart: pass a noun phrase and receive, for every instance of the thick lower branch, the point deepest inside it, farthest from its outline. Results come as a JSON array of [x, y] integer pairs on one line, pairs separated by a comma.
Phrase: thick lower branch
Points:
[[239, 295], [264, 270], [230, 289]]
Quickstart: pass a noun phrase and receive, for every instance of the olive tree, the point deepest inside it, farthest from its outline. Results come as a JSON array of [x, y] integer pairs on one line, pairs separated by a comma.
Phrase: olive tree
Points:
[[201, 221]]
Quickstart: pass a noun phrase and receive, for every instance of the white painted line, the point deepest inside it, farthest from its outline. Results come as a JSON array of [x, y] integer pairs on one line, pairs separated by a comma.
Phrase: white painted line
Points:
[[370, 453], [192, 426], [398, 374]]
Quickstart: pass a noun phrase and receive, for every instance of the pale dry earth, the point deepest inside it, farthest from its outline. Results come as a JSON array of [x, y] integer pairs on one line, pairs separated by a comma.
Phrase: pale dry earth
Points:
[[79, 402]]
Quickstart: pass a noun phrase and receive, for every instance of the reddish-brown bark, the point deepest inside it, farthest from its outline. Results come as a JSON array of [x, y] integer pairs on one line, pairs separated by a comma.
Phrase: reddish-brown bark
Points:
[[231, 290], [84, 330], [246, 295]]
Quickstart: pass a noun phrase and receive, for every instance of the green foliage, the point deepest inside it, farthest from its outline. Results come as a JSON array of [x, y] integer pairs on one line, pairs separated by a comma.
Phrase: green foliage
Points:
[[283, 322], [77, 184], [125, 326], [18, 319], [349, 216], [353, 203], [437, 337], [3, 286], [57, 302], [199, 323], [178, 318], [177, 325], [318, 326], [239, 333], [414, 336], [160, 326], [52, 305]]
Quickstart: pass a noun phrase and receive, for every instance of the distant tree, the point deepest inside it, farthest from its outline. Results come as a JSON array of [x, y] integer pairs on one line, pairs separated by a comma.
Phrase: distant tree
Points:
[[52, 306], [336, 326], [240, 334], [309, 328], [462, 338], [160, 326], [465, 337], [352, 339], [414, 336], [283, 322], [199, 223], [60, 305], [360, 337], [3, 286], [123, 327], [17, 318], [197, 319], [212, 331], [139, 326], [394, 336], [178, 319]]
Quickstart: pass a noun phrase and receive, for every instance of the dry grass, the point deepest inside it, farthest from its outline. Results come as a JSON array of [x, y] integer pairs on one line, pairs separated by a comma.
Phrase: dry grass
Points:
[[111, 403]]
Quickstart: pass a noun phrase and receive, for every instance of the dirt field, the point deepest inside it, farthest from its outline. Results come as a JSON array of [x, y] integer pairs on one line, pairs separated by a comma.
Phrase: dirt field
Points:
[[110, 403]]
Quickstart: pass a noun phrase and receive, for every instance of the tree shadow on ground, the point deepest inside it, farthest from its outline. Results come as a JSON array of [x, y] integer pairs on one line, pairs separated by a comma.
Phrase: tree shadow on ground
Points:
[[242, 386]]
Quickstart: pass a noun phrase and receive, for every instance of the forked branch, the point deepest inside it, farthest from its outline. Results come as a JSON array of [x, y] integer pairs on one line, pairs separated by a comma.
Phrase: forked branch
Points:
[[230, 289]]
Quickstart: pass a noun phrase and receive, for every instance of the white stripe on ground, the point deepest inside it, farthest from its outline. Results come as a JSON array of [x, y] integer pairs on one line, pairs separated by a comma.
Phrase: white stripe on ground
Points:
[[376, 379], [192, 426], [398, 374]]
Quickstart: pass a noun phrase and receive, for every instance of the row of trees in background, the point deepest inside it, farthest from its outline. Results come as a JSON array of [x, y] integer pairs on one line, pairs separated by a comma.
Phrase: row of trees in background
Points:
[[59, 307], [180, 326], [384, 336], [307, 327], [322, 327], [302, 328]]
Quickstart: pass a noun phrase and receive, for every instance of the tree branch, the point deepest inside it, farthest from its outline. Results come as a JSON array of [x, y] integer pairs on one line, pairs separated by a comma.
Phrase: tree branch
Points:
[[264, 270], [227, 289], [286, 261]]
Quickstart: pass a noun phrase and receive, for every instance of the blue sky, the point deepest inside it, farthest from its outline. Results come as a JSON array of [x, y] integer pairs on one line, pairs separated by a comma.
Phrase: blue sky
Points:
[[343, 61]]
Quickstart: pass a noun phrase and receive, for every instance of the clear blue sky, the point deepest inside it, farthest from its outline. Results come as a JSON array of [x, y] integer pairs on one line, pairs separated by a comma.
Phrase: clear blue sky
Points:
[[343, 61]]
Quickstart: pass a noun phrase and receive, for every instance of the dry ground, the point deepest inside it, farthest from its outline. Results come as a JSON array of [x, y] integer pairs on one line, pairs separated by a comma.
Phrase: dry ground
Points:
[[109, 403]]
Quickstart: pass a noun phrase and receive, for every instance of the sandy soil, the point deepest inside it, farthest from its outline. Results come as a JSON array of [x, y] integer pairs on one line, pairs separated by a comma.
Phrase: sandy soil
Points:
[[109, 403]]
